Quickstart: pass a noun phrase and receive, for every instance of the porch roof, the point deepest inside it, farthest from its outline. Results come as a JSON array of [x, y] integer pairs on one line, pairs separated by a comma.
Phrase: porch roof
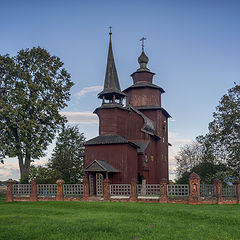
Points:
[[100, 166]]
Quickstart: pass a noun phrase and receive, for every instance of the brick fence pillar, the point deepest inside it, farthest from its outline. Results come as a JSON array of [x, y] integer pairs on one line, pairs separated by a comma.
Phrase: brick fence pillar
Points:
[[9, 195], [60, 194], [194, 189], [218, 186], [106, 189], [237, 184], [85, 189], [133, 196], [163, 196], [33, 194]]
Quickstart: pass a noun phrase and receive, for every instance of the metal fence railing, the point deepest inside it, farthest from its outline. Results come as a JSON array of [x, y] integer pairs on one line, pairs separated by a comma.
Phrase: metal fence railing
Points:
[[120, 189], [149, 189], [178, 190], [47, 189], [229, 191], [207, 190], [21, 189], [73, 189]]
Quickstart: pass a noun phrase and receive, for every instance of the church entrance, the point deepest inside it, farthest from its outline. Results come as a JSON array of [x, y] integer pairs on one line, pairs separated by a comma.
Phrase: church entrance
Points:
[[96, 184], [97, 171]]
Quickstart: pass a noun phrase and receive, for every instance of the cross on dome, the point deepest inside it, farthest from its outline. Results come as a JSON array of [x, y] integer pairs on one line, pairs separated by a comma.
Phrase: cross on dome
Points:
[[143, 39]]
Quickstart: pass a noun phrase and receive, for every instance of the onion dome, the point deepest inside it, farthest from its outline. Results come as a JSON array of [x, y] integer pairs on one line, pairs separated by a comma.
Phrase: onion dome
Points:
[[143, 59]]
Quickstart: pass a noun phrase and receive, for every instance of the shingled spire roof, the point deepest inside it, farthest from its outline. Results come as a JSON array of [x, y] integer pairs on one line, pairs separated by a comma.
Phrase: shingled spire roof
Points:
[[111, 90]]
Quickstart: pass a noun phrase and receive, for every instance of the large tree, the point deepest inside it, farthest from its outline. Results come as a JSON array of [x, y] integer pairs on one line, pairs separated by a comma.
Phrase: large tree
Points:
[[34, 87], [220, 147], [67, 159], [224, 130]]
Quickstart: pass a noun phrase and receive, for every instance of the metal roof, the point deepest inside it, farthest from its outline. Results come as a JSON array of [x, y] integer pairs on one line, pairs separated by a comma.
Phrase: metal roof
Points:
[[100, 166], [143, 84], [155, 108], [111, 83], [109, 139], [142, 146]]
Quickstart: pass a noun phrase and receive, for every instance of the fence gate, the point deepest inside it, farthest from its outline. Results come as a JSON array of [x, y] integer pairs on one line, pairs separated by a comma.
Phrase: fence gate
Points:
[[99, 184]]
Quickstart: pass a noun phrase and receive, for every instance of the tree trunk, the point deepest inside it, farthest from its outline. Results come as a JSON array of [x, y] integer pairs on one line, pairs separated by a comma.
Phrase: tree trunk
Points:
[[24, 168]]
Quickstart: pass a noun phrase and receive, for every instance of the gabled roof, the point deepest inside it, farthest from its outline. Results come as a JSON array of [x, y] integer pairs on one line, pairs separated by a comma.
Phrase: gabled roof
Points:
[[109, 139], [142, 84], [100, 166]]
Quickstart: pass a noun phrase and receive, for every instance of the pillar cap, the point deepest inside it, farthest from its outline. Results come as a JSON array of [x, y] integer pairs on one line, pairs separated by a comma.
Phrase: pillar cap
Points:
[[163, 180], [60, 181], [217, 180], [10, 181], [237, 181], [34, 180], [133, 180], [194, 175]]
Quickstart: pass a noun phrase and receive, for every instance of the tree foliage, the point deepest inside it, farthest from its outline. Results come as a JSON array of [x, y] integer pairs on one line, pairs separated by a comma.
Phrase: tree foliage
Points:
[[217, 154], [34, 87], [224, 130], [43, 175], [207, 171], [67, 158], [189, 156]]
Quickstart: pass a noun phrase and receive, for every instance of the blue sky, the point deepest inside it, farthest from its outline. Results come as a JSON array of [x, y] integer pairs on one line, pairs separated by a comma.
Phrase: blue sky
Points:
[[193, 47]]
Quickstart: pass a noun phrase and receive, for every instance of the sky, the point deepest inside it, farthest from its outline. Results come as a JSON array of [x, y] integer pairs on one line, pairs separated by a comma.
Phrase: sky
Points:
[[193, 47]]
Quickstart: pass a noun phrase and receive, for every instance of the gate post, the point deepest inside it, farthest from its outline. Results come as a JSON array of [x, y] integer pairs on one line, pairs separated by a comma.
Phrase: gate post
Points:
[[85, 189], [106, 189], [9, 195], [218, 185], [163, 196], [60, 195], [237, 185], [194, 189], [133, 196], [33, 194]]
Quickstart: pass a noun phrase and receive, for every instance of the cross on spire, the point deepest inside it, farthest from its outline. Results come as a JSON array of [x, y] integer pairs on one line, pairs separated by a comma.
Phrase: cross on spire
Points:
[[143, 39], [110, 30]]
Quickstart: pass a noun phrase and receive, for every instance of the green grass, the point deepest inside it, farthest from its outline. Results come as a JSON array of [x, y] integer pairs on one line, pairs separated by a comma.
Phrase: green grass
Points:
[[88, 220]]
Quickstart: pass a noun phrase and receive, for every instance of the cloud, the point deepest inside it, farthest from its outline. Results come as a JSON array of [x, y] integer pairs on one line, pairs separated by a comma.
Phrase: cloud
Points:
[[9, 169], [81, 117], [177, 141], [87, 90]]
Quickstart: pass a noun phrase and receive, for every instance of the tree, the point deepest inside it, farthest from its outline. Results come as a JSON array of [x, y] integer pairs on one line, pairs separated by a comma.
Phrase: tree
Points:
[[67, 158], [188, 157], [34, 87], [207, 171], [224, 130], [43, 175], [217, 154]]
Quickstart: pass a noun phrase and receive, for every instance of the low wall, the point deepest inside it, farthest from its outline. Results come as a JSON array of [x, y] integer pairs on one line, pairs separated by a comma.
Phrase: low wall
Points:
[[192, 193]]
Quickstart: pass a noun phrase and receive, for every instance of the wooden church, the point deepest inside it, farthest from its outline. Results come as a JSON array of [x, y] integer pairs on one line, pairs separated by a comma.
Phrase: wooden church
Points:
[[133, 139]]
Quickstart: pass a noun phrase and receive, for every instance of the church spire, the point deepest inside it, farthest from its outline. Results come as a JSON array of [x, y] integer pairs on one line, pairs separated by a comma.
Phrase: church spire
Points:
[[143, 59], [111, 90]]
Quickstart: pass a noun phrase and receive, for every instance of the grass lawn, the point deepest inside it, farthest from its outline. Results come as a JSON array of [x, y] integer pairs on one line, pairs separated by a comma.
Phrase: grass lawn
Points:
[[89, 220]]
